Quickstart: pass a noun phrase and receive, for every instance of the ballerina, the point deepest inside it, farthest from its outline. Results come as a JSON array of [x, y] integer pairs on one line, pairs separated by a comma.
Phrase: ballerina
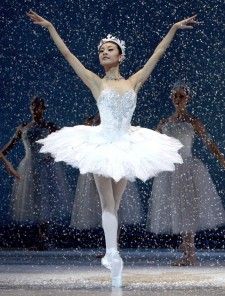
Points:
[[186, 200], [42, 195], [114, 151]]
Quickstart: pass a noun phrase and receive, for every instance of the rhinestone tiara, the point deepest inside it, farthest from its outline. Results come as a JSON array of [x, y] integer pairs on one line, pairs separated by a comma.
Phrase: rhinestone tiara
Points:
[[114, 39]]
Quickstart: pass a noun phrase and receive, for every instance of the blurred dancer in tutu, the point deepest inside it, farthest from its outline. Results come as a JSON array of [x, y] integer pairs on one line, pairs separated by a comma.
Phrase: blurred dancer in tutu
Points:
[[186, 200], [42, 195]]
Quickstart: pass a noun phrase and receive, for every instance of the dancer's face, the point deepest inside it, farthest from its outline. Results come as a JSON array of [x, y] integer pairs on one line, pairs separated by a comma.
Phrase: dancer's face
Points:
[[37, 109], [180, 98], [109, 54]]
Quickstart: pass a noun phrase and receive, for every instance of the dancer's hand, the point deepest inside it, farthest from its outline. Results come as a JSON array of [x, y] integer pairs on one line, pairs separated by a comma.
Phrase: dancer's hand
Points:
[[222, 161], [10, 169], [37, 19], [187, 23]]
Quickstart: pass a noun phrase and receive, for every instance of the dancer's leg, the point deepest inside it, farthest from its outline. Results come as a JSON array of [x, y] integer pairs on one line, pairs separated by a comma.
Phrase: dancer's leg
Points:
[[188, 247], [109, 218], [112, 260], [118, 190]]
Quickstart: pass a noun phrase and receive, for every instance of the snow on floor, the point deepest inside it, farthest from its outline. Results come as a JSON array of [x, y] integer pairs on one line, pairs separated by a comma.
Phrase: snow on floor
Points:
[[79, 273]]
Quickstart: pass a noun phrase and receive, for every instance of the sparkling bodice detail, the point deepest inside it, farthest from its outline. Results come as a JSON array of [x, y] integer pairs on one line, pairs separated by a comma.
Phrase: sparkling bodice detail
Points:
[[184, 132], [116, 110]]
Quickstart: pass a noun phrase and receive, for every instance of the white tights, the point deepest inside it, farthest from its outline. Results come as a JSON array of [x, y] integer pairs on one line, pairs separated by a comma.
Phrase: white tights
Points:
[[110, 193]]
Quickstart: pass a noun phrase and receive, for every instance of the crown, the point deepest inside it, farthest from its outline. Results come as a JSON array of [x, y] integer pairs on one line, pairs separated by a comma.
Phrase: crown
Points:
[[119, 42]]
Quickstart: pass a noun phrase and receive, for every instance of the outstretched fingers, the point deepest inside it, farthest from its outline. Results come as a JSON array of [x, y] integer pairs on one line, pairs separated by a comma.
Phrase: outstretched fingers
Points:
[[189, 22], [37, 19], [32, 13], [191, 18]]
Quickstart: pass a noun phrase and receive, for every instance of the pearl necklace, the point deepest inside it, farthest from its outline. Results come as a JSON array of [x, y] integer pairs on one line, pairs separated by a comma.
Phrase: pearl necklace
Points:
[[113, 78]]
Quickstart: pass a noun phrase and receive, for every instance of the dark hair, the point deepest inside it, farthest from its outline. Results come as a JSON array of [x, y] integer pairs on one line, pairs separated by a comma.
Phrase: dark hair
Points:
[[36, 100], [180, 84], [119, 48]]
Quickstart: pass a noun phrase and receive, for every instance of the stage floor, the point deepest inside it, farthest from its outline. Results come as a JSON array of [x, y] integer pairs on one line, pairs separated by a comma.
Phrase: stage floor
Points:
[[79, 273]]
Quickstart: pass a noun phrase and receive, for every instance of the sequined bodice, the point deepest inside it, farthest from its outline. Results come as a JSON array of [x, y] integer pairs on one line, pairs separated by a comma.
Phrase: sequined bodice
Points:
[[182, 131], [116, 110]]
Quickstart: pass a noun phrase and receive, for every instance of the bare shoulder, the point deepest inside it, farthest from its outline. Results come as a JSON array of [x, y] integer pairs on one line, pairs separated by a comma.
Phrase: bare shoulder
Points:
[[134, 83], [195, 120]]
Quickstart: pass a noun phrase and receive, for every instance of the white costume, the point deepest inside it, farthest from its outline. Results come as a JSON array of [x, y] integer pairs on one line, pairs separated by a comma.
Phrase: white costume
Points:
[[185, 200]]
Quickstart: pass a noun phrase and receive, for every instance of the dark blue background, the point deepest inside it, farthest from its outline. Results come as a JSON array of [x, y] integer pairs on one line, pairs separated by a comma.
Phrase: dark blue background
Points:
[[31, 65]]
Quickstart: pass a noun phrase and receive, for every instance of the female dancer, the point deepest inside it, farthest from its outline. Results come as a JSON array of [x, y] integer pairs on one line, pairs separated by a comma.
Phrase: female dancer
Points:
[[42, 195], [114, 151], [185, 200], [10, 169]]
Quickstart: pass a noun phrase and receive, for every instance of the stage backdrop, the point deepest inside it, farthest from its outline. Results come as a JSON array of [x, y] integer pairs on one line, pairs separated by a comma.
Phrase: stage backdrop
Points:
[[31, 65]]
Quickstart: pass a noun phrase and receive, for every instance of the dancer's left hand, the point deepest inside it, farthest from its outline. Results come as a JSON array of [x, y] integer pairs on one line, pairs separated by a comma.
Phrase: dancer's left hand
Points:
[[37, 19], [187, 23]]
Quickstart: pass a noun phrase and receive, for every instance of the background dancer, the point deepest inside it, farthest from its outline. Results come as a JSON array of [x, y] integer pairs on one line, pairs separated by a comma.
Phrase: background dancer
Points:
[[186, 200], [42, 195]]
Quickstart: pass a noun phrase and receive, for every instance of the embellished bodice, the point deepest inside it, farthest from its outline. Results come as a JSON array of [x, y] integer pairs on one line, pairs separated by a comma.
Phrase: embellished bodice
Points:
[[184, 132], [116, 110]]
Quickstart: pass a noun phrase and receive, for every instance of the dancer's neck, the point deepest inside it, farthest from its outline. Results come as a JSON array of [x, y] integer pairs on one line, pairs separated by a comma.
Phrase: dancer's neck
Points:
[[112, 73], [37, 119], [182, 113]]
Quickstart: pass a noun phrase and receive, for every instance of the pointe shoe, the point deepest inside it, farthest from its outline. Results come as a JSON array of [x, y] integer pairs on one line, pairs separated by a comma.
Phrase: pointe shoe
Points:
[[105, 262], [114, 262], [116, 271]]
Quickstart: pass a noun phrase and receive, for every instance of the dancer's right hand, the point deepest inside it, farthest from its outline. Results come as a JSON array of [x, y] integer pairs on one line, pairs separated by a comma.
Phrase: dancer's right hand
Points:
[[37, 19]]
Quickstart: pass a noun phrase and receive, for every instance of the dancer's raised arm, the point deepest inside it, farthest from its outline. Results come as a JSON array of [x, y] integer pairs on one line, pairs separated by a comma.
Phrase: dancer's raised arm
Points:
[[142, 75], [89, 78]]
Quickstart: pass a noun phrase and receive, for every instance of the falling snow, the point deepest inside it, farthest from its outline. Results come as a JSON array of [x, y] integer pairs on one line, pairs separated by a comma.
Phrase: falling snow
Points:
[[31, 65]]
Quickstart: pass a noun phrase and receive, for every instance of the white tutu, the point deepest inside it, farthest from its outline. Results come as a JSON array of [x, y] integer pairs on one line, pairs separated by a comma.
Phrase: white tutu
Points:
[[114, 148], [185, 200]]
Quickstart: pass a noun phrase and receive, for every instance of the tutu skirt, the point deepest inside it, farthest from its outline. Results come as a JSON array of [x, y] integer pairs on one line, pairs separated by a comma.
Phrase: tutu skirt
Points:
[[137, 153], [185, 200]]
